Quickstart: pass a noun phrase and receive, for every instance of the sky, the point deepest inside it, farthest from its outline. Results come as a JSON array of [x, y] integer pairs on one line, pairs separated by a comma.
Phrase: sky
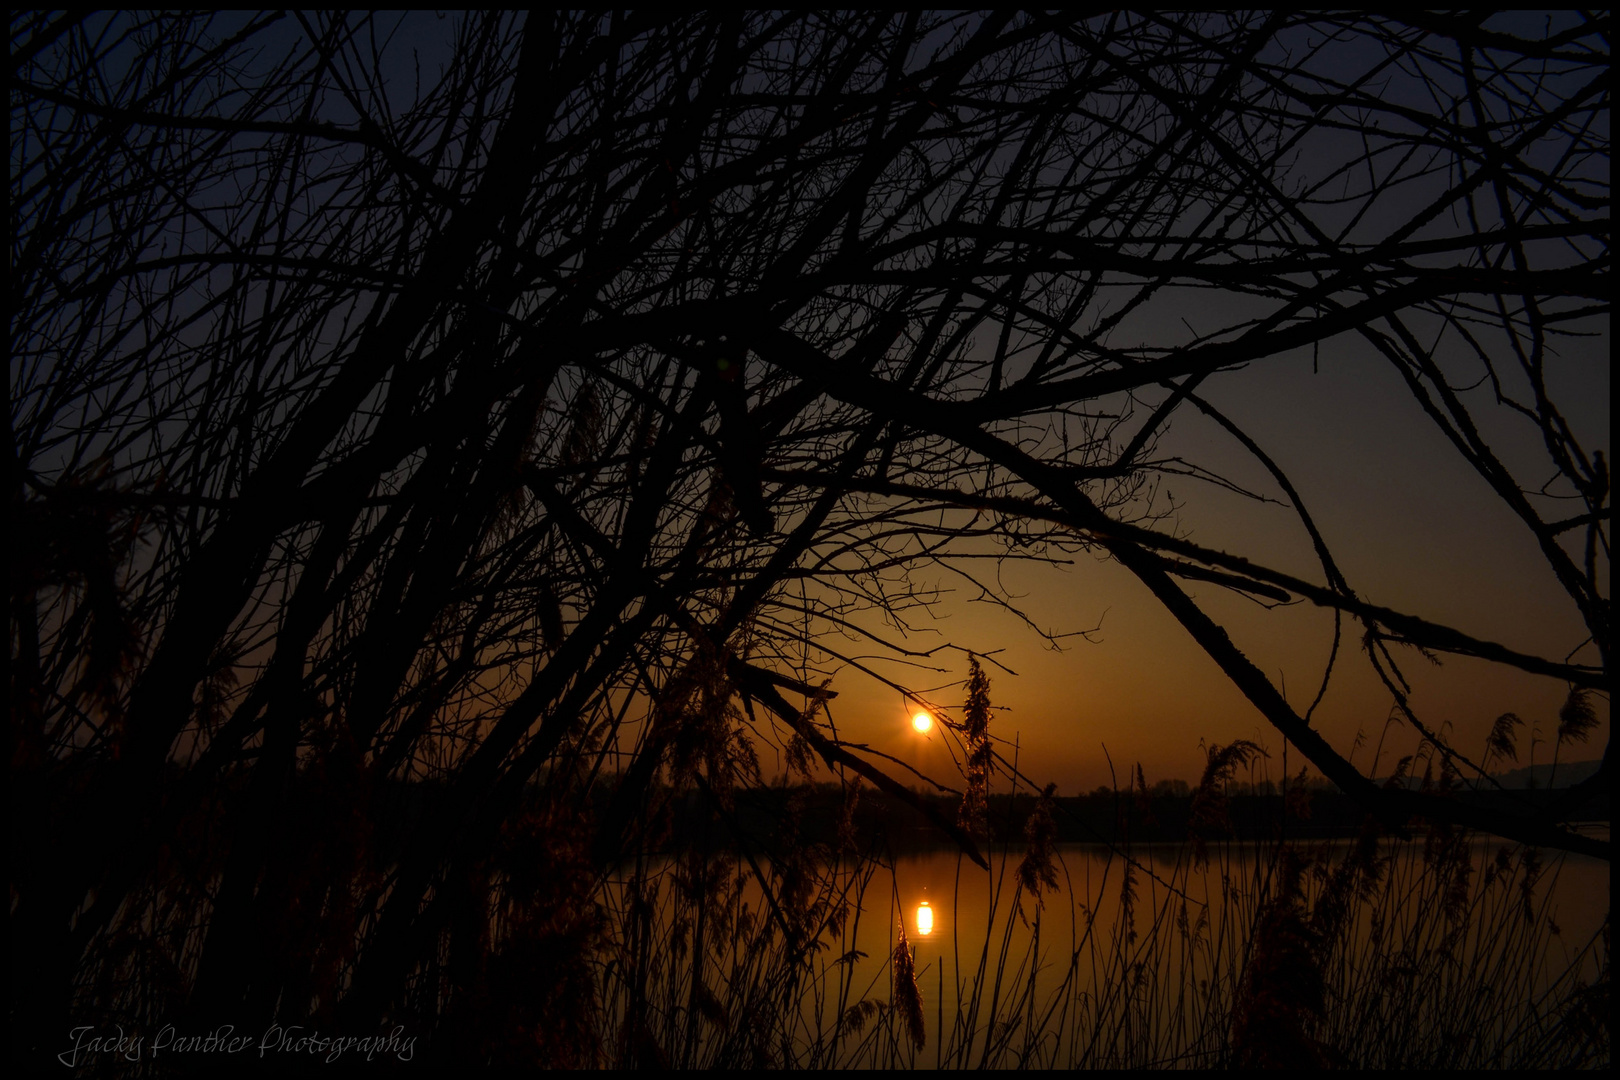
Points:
[[1411, 525]]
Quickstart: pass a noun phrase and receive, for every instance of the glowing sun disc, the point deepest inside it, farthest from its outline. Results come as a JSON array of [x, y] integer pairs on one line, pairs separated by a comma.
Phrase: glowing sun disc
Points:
[[922, 722]]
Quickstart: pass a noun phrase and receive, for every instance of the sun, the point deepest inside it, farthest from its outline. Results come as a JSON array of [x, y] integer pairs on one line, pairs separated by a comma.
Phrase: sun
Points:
[[922, 722]]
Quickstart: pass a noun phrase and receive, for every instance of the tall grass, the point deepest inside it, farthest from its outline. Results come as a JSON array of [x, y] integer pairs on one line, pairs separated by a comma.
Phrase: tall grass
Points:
[[1439, 951], [1435, 951]]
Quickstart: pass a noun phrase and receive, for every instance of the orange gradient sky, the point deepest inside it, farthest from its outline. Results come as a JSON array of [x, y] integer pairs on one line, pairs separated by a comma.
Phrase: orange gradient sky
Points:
[[1411, 525]]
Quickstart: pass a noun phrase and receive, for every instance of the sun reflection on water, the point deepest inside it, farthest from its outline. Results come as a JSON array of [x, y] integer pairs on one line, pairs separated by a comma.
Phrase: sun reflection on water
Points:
[[925, 919]]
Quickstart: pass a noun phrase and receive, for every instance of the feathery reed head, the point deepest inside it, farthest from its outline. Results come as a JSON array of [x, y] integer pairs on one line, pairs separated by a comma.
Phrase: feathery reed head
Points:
[[907, 995]]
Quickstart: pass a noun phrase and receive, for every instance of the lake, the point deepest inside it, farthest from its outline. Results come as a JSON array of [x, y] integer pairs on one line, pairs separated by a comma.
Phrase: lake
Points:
[[1466, 957]]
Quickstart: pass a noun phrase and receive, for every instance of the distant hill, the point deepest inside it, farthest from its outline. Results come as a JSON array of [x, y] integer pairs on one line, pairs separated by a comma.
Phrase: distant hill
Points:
[[1542, 776]]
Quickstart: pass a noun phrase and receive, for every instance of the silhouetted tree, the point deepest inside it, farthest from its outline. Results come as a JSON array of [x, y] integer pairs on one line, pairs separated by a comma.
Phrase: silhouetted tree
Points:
[[396, 398]]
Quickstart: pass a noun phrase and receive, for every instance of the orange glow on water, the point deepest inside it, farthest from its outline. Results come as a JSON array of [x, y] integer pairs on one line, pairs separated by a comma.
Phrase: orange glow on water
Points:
[[925, 919]]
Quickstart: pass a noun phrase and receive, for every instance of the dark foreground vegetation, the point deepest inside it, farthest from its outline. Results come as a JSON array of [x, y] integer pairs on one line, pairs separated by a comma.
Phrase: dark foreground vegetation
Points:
[[446, 455], [1233, 924]]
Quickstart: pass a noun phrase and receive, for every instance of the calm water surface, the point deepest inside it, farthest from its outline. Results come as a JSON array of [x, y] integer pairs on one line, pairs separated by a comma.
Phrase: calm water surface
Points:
[[1144, 971], [965, 926]]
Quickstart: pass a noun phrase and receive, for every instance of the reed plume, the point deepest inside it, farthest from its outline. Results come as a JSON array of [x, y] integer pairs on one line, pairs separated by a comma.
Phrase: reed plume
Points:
[[1281, 1001], [976, 727], [1503, 739], [1210, 810], [1036, 871], [907, 995], [1576, 717]]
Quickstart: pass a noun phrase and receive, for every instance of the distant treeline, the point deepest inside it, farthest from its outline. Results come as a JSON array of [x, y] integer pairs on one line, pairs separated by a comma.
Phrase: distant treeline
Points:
[[1547, 775], [768, 820], [1163, 816]]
